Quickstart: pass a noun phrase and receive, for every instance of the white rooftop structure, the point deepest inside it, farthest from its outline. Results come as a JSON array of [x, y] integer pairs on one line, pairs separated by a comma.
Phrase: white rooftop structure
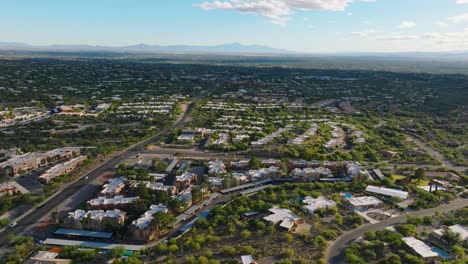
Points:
[[263, 173], [158, 186], [387, 192], [247, 259], [216, 167], [187, 137], [147, 217], [62, 168], [364, 201], [102, 200], [215, 181], [114, 186], [458, 229], [285, 216], [420, 247], [312, 204], [95, 214], [222, 140]]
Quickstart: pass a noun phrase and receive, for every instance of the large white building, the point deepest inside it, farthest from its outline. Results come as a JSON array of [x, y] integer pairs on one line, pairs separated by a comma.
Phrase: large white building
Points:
[[387, 192]]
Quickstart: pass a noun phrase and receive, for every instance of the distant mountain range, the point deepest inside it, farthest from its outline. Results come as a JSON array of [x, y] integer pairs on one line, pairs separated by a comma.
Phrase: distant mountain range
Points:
[[233, 48]]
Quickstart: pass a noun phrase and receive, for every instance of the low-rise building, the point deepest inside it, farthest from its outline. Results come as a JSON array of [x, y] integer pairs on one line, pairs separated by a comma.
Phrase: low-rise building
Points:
[[420, 248], [239, 165], [457, 229], [23, 163], [363, 202], [216, 167], [113, 187], [104, 203], [186, 138], [285, 217], [142, 228], [387, 192], [185, 180], [312, 204], [265, 173], [62, 169], [96, 220], [47, 257], [157, 187], [311, 174], [7, 188]]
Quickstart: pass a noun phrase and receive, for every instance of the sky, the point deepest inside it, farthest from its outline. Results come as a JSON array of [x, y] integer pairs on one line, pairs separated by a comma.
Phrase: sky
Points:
[[316, 26]]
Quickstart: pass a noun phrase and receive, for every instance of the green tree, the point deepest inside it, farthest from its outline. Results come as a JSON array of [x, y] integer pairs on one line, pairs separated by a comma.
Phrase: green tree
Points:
[[116, 252]]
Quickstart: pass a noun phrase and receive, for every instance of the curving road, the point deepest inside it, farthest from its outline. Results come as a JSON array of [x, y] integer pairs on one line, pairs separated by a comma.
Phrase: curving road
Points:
[[334, 253], [84, 189]]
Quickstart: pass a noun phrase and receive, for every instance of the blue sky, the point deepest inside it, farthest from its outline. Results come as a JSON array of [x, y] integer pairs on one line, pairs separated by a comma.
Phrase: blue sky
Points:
[[300, 25]]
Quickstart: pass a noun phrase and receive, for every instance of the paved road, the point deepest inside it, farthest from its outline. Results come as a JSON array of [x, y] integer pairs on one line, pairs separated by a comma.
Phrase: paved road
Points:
[[84, 189], [334, 253], [437, 155]]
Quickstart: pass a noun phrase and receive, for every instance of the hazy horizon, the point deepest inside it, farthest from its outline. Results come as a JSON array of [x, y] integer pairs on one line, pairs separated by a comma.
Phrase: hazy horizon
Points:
[[308, 26]]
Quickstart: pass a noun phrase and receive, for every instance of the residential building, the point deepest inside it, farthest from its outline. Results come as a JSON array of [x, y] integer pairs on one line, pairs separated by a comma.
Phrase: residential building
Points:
[[271, 172], [239, 165], [157, 187], [184, 181], [62, 169], [420, 248], [96, 220], [104, 203], [312, 204], [216, 167], [142, 228], [7, 188], [47, 257], [363, 202], [458, 229], [113, 187], [311, 174], [387, 192], [23, 163], [285, 217]]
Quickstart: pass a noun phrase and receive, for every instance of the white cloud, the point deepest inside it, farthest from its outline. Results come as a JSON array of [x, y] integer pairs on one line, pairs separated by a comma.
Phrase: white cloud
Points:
[[407, 24], [460, 2], [459, 18], [278, 11]]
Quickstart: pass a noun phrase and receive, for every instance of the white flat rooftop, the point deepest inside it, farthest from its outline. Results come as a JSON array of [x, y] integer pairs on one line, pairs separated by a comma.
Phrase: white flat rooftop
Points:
[[420, 247]]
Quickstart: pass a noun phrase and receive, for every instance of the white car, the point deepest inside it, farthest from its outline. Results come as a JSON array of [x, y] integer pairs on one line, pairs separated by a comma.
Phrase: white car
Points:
[[13, 224]]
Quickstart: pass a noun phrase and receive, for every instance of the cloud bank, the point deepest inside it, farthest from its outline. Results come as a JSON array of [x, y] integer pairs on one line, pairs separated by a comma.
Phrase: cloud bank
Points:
[[278, 11]]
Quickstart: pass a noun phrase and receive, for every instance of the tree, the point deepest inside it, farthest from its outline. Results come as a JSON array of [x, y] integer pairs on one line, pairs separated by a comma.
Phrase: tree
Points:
[[450, 237], [229, 250], [255, 163], [288, 253], [116, 252], [158, 165], [458, 251], [161, 220], [420, 174], [245, 234]]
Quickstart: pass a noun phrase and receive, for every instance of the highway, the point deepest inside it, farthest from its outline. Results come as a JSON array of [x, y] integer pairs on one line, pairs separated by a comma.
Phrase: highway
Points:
[[334, 253], [84, 189]]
